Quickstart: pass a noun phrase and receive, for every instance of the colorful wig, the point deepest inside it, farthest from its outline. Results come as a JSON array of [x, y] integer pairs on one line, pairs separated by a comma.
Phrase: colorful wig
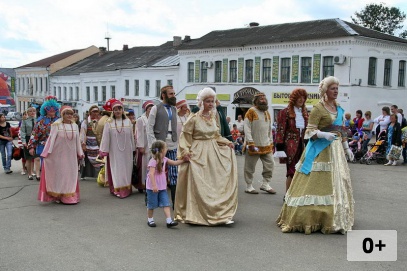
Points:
[[49, 104]]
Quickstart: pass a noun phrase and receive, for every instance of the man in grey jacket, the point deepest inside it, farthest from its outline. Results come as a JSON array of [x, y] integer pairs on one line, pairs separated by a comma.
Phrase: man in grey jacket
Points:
[[162, 125]]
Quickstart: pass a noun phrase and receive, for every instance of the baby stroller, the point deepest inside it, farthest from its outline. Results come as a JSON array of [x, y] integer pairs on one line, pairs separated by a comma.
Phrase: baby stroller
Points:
[[377, 150], [355, 145]]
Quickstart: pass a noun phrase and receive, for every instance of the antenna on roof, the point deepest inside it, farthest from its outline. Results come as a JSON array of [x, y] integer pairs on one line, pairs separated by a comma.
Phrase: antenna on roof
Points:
[[107, 36]]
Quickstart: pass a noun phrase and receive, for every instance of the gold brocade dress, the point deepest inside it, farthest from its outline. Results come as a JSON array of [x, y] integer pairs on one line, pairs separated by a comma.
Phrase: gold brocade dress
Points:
[[323, 199], [207, 185]]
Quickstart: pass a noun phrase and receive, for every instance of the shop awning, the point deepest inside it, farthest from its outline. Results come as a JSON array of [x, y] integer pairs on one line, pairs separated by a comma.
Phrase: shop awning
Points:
[[244, 95]]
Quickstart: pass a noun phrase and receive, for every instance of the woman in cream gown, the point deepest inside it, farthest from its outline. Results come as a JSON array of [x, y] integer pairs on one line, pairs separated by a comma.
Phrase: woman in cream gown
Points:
[[320, 197], [207, 185]]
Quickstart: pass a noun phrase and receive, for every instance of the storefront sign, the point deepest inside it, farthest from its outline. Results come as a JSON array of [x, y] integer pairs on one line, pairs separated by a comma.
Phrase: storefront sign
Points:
[[220, 97], [284, 98]]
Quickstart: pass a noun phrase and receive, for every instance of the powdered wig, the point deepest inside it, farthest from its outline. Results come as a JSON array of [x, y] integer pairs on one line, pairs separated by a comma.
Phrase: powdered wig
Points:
[[324, 85], [295, 94], [203, 94]]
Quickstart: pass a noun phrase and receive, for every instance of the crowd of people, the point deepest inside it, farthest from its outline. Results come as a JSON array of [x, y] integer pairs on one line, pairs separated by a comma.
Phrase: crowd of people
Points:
[[192, 153]]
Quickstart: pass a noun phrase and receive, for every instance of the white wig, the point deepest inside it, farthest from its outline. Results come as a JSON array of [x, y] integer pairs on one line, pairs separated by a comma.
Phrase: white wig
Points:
[[203, 94], [323, 86]]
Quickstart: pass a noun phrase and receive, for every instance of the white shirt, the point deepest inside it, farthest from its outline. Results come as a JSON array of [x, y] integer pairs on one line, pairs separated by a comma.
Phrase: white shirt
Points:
[[299, 118]]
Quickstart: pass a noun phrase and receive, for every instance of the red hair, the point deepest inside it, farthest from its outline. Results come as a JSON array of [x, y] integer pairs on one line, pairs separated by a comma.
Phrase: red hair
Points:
[[298, 92]]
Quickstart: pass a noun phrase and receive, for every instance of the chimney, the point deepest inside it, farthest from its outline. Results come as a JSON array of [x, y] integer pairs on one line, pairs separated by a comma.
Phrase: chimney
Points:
[[102, 51], [253, 24], [125, 47], [177, 41], [187, 38]]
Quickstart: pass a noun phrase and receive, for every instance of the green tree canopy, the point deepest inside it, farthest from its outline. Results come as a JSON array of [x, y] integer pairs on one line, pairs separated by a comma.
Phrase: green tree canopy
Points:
[[381, 18]]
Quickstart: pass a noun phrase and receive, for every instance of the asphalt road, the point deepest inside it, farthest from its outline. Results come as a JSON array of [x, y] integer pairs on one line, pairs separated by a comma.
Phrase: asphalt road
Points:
[[106, 233]]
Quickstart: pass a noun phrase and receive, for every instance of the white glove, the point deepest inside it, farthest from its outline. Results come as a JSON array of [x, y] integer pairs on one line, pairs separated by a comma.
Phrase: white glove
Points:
[[348, 152], [327, 135]]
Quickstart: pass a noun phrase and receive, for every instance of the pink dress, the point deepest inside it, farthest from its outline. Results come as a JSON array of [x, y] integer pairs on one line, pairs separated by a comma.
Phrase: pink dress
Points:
[[59, 175]]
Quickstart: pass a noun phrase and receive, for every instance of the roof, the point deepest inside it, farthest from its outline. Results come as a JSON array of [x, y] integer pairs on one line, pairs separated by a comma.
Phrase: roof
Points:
[[144, 56], [287, 32], [50, 60]]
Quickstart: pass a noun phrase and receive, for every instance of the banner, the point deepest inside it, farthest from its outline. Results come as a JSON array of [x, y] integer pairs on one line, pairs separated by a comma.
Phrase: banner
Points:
[[284, 98]]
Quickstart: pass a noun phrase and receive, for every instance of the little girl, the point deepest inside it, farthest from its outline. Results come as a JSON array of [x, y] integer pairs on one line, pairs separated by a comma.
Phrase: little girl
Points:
[[156, 183]]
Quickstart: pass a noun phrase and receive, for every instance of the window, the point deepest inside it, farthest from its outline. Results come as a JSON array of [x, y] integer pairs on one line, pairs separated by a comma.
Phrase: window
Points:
[[204, 72], [95, 94], [147, 88], [402, 73], [190, 71], [88, 94], [55, 91], [103, 93], [59, 93], [112, 91], [157, 88], [46, 85], [249, 71], [306, 69], [285, 70], [218, 71], [77, 93], [169, 82], [266, 70], [233, 71], [41, 84], [70, 93], [371, 77], [136, 88], [126, 87], [65, 95], [328, 66], [387, 72]]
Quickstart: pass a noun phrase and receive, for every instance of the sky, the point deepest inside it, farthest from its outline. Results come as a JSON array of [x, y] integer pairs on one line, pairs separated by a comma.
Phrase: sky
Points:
[[33, 30]]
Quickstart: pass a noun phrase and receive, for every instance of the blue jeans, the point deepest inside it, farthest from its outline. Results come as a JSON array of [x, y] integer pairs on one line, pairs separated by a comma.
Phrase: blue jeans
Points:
[[6, 159]]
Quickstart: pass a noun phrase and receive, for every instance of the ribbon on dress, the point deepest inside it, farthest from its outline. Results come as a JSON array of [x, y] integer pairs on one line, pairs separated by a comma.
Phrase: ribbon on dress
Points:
[[316, 146]]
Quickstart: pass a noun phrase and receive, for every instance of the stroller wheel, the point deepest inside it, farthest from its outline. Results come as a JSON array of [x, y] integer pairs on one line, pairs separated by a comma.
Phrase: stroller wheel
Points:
[[368, 162], [362, 160]]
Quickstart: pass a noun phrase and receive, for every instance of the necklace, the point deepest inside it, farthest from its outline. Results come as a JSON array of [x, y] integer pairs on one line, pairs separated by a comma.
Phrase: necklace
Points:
[[66, 135], [332, 106], [117, 137], [115, 124]]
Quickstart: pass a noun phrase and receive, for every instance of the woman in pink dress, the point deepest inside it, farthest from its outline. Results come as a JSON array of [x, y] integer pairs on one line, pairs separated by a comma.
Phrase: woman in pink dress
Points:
[[118, 145], [59, 174]]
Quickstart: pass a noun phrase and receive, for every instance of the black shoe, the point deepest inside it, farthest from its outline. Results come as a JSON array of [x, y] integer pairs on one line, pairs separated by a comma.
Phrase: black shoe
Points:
[[152, 224], [30, 178], [9, 171], [172, 224]]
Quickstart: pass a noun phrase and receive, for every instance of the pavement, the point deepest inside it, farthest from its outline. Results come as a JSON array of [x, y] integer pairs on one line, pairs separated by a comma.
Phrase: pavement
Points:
[[103, 232]]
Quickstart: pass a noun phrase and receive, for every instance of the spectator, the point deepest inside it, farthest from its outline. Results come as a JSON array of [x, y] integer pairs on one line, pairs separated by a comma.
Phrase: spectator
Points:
[[394, 110], [6, 144], [367, 129], [382, 121]]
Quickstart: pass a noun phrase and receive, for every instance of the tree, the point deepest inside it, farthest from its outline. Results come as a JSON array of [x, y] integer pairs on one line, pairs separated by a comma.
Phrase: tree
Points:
[[381, 18]]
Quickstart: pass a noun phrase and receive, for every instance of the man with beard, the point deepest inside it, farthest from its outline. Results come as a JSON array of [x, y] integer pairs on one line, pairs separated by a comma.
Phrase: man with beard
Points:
[[259, 142], [162, 125]]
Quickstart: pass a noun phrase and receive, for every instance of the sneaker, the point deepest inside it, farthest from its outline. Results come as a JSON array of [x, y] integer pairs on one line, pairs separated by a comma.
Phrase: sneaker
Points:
[[152, 224], [251, 190], [172, 224], [394, 163], [9, 171], [388, 163], [267, 188]]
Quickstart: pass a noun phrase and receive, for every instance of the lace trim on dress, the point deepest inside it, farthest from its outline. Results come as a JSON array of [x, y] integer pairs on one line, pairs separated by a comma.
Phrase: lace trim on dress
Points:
[[316, 166], [309, 200]]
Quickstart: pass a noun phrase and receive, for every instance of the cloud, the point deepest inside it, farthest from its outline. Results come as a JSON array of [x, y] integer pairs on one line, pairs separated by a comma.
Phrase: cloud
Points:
[[32, 30]]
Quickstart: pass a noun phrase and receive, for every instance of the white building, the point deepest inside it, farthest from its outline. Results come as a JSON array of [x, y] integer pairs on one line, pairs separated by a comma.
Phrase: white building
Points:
[[32, 80], [132, 75], [275, 59]]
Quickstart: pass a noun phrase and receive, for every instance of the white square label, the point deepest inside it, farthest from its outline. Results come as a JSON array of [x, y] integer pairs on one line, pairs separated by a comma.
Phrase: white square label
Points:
[[372, 245]]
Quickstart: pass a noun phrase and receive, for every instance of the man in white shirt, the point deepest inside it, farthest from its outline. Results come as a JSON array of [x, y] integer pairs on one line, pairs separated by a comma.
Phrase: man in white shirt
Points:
[[240, 124], [394, 110]]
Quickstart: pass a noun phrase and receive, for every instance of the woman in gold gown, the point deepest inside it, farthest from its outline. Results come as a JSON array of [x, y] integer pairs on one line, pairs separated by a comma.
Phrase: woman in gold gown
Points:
[[320, 197], [207, 185]]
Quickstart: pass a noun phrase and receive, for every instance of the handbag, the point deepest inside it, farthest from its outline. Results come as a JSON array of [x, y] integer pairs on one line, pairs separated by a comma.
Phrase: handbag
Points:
[[17, 153], [395, 152]]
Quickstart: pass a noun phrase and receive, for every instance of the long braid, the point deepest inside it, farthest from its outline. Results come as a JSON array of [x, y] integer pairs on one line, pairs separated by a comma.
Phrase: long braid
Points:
[[156, 149]]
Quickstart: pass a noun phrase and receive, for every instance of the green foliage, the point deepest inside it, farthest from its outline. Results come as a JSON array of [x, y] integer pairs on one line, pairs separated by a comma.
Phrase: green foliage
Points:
[[380, 18]]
